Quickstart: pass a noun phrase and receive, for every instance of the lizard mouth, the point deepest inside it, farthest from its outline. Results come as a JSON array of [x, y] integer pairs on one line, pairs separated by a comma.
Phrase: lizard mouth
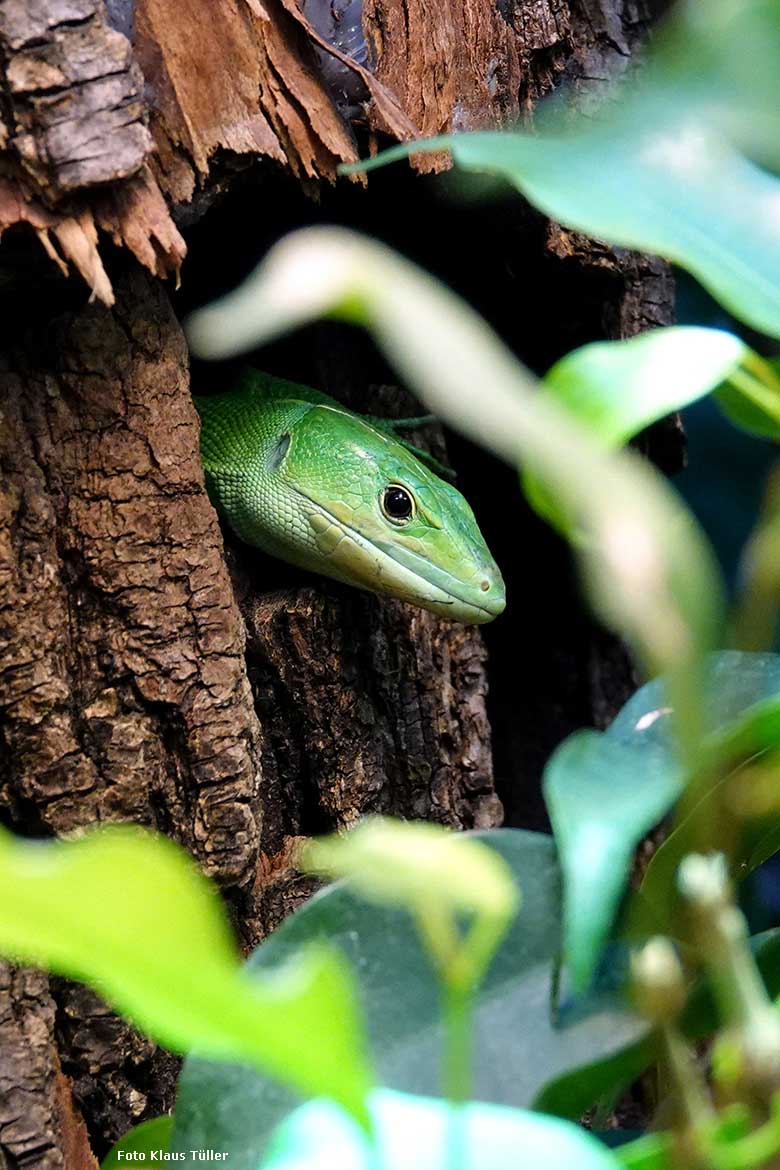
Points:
[[390, 569]]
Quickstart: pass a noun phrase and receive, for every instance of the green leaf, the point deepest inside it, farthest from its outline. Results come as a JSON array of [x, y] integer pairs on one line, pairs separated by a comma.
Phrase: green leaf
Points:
[[660, 167], [751, 398], [620, 387], [757, 731], [744, 702], [520, 1041], [617, 388], [149, 1136], [605, 791], [405, 864], [767, 846], [128, 913], [647, 568], [568, 1095], [654, 1151], [417, 1133], [602, 802], [721, 60]]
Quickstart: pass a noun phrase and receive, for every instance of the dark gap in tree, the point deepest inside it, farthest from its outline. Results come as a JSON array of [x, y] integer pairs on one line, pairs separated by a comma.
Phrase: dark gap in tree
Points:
[[494, 255]]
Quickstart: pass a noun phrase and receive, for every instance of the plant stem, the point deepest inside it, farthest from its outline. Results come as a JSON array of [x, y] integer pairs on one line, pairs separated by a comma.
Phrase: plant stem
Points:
[[458, 1004], [458, 1043]]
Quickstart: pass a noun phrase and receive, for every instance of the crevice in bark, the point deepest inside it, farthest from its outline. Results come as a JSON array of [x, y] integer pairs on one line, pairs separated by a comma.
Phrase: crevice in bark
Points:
[[547, 291], [118, 1077]]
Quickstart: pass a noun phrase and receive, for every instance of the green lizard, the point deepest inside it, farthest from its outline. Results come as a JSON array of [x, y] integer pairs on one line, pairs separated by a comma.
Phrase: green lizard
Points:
[[298, 475]]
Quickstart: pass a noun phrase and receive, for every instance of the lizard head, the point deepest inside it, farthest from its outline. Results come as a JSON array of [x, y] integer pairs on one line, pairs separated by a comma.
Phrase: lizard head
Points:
[[373, 515]]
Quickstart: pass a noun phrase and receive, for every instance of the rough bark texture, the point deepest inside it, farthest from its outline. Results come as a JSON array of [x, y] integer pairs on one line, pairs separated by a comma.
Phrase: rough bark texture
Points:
[[120, 636], [77, 94], [72, 118], [148, 673]]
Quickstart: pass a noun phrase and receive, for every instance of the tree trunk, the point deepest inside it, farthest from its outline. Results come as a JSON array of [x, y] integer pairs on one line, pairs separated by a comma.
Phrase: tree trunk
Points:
[[151, 668]]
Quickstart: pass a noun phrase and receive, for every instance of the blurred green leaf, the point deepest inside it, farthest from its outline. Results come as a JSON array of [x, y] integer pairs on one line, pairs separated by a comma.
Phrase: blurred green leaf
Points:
[[520, 1042], [129, 913], [149, 1136], [751, 397], [618, 388], [403, 863], [461, 896], [767, 846], [659, 166], [417, 1133], [602, 801], [744, 701], [729, 1144], [649, 572], [713, 822], [651, 1152], [460, 893], [756, 617], [720, 59], [649, 177], [605, 791], [702, 824]]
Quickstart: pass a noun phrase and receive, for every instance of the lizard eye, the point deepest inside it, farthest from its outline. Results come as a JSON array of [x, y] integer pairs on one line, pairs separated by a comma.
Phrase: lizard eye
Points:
[[397, 504]]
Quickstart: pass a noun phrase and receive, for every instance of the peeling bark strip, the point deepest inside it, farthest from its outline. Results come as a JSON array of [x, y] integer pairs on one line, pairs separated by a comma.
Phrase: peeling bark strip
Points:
[[75, 93], [122, 683], [74, 237], [252, 90], [133, 213]]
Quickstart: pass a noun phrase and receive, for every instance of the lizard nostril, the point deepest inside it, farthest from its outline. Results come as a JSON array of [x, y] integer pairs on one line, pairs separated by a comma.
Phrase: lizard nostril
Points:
[[484, 585]]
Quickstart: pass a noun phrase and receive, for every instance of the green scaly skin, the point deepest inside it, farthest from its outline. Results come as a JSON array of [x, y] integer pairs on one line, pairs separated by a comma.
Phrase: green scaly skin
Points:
[[303, 478]]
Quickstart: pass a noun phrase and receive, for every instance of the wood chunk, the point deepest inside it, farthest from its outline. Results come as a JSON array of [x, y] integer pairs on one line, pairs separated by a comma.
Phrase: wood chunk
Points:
[[75, 95], [254, 90]]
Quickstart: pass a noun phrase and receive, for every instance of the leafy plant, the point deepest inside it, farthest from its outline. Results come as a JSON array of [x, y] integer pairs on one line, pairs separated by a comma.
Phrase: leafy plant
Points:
[[617, 388], [130, 914], [599, 813], [668, 166], [521, 1042]]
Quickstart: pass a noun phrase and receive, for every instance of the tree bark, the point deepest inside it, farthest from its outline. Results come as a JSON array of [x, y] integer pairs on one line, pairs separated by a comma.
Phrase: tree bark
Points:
[[151, 668]]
